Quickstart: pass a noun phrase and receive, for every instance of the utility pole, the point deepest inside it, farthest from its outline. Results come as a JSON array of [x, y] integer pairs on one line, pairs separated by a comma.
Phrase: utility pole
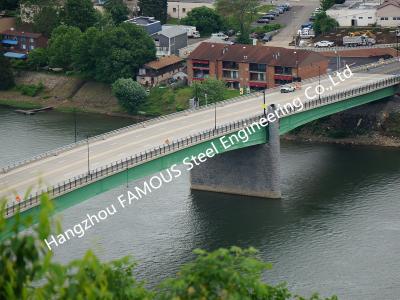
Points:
[[75, 128], [215, 115], [319, 81], [265, 109], [88, 154]]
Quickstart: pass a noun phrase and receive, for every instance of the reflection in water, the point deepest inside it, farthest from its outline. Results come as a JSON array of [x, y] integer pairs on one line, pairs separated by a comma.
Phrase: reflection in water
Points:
[[337, 229]]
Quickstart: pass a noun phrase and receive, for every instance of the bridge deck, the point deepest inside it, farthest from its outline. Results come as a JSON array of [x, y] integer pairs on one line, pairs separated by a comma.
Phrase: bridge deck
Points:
[[56, 169]]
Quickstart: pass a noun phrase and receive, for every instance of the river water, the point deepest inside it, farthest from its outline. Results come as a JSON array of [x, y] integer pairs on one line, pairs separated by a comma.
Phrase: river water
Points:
[[336, 231]]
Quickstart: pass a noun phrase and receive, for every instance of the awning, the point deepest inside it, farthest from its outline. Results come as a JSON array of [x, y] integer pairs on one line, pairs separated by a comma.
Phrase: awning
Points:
[[15, 55], [9, 42]]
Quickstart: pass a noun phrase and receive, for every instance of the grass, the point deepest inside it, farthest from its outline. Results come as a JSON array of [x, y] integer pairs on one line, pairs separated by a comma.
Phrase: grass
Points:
[[263, 9], [19, 104], [173, 21], [165, 100]]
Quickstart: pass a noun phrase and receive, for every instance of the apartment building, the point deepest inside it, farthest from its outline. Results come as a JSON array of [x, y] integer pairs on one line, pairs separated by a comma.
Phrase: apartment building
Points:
[[180, 8], [256, 67]]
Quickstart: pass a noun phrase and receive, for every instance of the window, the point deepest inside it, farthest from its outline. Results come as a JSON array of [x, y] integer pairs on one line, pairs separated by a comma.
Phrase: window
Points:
[[201, 65], [384, 18], [32, 47], [257, 76], [283, 70], [258, 67], [360, 18], [230, 74], [24, 46], [183, 10], [174, 9], [230, 65], [370, 18], [200, 74], [31, 40]]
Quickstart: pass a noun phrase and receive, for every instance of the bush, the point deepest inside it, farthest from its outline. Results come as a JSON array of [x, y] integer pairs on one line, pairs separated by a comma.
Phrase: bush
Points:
[[129, 93], [30, 89], [323, 23], [267, 28]]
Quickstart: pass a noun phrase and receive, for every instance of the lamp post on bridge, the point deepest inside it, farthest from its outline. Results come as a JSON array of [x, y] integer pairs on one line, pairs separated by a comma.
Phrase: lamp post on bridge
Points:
[[319, 81], [88, 154], [264, 106]]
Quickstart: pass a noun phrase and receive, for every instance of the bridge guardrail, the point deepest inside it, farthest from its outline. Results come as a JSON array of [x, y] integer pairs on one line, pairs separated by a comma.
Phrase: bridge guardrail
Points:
[[104, 136], [129, 162]]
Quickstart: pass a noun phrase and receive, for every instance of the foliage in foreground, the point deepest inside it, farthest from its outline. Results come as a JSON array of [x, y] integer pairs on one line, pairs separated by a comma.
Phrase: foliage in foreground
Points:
[[130, 94], [28, 272]]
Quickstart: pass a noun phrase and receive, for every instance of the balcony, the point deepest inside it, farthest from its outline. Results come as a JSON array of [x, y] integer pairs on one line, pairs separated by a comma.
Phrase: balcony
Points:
[[230, 65], [257, 77], [231, 75], [259, 68]]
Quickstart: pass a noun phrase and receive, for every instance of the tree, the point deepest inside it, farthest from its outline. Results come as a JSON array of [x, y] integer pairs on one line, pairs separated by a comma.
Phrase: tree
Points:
[[323, 23], [205, 19], [242, 12], [129, 93], [38, 58], [118, 10], [46, 20], [327, 4], [79, 13], [6, 73], [213, 88], [115, 52], [62, 43], [154, 8]]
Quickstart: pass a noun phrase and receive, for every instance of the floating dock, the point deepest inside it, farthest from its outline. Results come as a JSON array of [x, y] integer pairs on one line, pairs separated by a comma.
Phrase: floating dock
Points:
[[33, 111]]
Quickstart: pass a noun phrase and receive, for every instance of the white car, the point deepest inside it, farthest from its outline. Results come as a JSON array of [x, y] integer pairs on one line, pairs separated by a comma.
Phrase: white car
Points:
[[324, 44], [220, 35], [287, 89]]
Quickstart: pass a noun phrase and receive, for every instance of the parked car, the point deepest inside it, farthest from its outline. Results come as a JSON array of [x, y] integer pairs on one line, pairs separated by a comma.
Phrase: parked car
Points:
[[263, 21], [324, 44], [273, 12], [307, 25], [282, 6], [269, 16], [287, 89], [220, 35], [267, 37]]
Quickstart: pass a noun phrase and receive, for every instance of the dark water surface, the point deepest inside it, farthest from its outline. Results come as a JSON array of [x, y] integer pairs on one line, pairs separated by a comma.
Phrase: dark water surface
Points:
[[337, 230]]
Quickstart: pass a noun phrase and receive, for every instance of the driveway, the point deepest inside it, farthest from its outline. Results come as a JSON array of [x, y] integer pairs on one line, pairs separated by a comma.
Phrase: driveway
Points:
[[292, 19]]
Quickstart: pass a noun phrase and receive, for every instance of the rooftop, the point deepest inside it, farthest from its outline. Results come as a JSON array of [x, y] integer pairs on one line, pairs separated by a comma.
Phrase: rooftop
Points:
[[273, 56], [366, 4], [172, 31], [163, 62]]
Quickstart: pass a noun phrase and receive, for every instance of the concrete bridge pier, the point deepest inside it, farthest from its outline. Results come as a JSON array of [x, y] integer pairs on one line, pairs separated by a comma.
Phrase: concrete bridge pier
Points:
[[252, 171]]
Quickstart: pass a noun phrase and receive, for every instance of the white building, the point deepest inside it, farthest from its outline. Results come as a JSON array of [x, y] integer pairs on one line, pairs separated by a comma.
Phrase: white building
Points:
[[355, 13], [388, 13], [179, 9]]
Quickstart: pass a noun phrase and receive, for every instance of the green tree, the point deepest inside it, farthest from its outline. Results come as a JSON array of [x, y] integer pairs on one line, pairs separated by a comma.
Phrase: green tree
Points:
[[154, 8], [205, 19], [6, 74], [38, 58], [242, 12], [118, 10], [115, 52], [62, 43], [46, 20], [210, 89], [79, 13], [327, 4], [323, 23], [129, 93]]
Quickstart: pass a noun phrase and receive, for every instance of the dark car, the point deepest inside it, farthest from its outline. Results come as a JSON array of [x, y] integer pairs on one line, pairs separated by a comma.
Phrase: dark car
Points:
[[263, 21], [269, 16], [267, 37]]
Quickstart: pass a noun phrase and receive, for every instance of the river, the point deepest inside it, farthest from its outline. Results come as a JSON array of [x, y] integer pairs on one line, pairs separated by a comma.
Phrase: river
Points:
[[336, 231]]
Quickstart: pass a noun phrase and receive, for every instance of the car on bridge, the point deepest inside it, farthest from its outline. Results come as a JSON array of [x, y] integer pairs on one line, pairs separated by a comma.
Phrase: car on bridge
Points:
[[287, 89], [324, 44]]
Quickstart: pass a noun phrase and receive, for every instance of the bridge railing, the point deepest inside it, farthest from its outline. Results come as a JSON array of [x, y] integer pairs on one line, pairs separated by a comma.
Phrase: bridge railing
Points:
[[57, 151], [176, 145]]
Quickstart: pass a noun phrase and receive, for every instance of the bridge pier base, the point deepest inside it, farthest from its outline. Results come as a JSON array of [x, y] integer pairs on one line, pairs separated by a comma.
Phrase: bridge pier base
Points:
[[252, 171]]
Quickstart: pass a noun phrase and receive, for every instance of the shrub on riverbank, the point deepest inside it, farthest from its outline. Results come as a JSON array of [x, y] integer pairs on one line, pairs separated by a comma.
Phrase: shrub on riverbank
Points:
[[30, 89], [28, 271]]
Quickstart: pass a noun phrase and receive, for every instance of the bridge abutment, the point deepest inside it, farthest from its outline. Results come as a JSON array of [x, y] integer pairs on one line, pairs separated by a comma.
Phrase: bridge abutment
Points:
[[252, 171]]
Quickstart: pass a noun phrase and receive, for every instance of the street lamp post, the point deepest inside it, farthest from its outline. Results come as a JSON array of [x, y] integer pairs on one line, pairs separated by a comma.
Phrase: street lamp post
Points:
[[319, 81], [75, 129], [215, 115], [297, 63], [88, 154], [265, 110], [397, 44]]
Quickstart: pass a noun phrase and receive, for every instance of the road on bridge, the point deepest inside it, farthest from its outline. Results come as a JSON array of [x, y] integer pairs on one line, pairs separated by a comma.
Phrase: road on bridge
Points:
[[56, 169]]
